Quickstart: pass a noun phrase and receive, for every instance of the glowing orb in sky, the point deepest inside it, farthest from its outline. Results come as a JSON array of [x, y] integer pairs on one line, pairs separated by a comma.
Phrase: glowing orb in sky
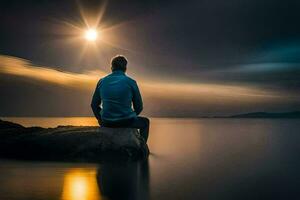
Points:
[[91, 35]]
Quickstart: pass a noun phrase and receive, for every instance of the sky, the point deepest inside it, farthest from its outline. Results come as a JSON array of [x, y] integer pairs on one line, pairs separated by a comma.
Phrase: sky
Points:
[[190, 58]]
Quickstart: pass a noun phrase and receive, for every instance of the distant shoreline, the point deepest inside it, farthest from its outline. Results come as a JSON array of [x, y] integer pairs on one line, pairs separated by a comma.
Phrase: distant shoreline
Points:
[[294, 114], [268, 115]]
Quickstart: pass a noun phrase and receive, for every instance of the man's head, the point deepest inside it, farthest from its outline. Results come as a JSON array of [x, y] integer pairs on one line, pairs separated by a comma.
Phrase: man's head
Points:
[[119, 63]]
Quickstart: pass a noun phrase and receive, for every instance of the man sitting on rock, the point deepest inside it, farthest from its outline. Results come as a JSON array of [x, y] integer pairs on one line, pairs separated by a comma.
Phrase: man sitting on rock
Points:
[[117, 93]]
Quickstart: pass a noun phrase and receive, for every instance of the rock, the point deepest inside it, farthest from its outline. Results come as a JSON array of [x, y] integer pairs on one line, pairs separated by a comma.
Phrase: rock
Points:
[[71, 143]]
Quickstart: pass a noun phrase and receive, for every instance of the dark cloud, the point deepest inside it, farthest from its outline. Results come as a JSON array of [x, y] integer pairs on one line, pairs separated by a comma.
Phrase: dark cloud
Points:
[[250, 43], [28, 89]]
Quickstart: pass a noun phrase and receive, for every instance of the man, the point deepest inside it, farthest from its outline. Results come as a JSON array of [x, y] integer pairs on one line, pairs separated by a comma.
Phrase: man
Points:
[[117, 93]]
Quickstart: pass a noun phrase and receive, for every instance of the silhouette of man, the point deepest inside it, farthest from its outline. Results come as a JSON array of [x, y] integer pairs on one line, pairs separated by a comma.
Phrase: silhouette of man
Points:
[[114, 97]]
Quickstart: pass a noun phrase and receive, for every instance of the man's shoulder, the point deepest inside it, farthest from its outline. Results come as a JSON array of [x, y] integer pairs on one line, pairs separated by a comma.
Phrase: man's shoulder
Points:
[[126, 78], [103, 78], [130, 79]]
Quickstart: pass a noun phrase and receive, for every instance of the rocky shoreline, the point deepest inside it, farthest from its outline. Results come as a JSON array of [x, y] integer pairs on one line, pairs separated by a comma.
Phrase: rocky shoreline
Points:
[[71, 143]]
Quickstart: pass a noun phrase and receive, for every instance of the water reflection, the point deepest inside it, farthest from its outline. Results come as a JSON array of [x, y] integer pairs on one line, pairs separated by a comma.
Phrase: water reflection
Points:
[[80, 184], [190, 159], [124, 181], [110, 181]]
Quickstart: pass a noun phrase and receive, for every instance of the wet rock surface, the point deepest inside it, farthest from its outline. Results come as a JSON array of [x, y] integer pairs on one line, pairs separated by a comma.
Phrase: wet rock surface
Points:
[[71, 143]]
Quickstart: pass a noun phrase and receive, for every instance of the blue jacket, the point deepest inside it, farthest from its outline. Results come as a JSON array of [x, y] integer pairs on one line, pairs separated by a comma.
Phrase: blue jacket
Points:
[[114, 96]]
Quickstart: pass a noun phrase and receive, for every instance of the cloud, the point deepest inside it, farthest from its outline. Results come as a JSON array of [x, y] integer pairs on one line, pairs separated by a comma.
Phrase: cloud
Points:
[[87, 80], [160, 96], [24, 68]]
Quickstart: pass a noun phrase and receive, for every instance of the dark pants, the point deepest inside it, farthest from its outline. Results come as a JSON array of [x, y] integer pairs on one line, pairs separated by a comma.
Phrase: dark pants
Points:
[[141, 123]]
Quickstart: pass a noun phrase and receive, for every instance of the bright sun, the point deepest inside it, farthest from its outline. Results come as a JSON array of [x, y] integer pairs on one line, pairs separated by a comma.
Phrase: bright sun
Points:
[[91, 34]]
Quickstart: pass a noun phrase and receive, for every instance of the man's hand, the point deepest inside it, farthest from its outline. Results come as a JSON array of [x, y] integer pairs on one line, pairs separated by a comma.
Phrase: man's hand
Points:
[[96, 102]]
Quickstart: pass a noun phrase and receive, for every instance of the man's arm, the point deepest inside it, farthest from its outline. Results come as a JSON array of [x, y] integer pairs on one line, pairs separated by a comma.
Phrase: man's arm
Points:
[[96, 101], [137, 99]]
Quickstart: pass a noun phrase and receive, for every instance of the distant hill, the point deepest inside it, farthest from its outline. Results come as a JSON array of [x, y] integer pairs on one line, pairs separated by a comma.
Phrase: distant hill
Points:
[[6, 124], [294, 114]]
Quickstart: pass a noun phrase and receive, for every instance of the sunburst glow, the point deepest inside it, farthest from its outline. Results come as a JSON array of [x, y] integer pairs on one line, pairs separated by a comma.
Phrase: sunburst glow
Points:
[[95, 36], [91, 35]]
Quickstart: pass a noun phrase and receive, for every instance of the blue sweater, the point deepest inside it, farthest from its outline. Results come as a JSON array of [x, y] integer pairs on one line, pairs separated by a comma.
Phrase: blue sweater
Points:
[[114, 96]]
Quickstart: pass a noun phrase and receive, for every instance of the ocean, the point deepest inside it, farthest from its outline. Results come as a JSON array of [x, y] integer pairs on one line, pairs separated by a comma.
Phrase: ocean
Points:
[[190, 159]]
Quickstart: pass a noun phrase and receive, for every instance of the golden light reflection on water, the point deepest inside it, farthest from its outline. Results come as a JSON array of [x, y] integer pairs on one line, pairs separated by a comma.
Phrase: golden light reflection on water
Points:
[[81, 184], [51, 122]]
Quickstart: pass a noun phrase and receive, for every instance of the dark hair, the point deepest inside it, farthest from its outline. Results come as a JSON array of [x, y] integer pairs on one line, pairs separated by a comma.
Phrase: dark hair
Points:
[[118, 63]]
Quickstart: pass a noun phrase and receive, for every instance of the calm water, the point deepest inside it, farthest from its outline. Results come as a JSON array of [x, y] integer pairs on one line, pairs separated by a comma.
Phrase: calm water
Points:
[[191, 159]]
